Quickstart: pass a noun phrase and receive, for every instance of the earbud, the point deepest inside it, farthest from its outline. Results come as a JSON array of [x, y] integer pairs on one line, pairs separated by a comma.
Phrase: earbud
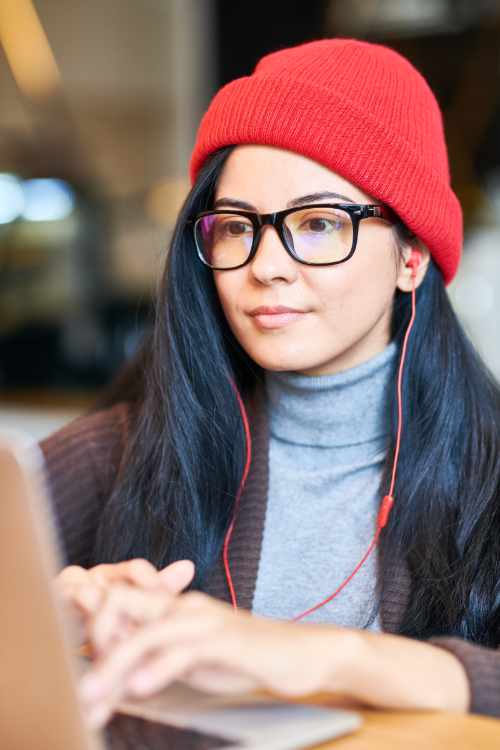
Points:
[[414, 261]]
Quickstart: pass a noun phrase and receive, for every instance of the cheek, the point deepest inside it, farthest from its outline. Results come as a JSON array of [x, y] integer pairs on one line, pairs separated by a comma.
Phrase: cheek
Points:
[[338, 291], [367, 281], [352, 299], [229, 290]]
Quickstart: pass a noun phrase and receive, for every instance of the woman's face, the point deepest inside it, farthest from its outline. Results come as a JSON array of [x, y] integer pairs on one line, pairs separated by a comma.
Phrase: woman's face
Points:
[[346, 308]]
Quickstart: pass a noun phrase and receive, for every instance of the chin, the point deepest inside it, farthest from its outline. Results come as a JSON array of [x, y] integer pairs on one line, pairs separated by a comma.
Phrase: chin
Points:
[[281, 359]]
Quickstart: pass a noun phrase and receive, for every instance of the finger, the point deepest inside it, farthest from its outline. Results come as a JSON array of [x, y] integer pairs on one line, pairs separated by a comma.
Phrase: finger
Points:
[[78, 598], [123, 657], [138, 571], [79, 608], [186, 663], [177, 575], [76, 621], [80, 594], [87, 597], [72, 574], [73, 582], [158, 673], [125, 603], [219, 680], [69, 580], [98, 714], [120, 608], [191, 617]]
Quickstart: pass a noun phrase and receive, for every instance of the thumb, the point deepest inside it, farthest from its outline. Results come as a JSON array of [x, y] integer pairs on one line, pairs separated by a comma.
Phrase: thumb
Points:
[[176, 576]]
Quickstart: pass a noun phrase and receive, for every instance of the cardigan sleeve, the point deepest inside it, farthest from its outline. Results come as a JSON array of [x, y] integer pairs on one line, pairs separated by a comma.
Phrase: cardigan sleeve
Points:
[[482, 666], [81, 463]]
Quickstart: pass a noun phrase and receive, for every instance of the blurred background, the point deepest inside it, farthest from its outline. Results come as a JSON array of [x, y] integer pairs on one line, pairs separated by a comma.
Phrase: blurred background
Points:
[[100, 102]]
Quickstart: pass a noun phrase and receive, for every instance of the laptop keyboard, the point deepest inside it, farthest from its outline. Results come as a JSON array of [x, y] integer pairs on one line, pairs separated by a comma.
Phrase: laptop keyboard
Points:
[[133, 733]]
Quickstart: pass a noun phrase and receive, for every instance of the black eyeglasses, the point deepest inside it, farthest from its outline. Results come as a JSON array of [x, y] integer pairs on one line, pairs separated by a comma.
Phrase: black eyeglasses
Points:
[[320, 234]]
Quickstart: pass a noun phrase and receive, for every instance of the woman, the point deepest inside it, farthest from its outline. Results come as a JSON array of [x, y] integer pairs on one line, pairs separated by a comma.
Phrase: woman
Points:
[[252, 464]]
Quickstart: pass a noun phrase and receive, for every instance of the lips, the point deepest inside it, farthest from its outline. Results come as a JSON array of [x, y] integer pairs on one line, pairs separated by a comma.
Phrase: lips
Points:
[[279, 316], [276, 310]]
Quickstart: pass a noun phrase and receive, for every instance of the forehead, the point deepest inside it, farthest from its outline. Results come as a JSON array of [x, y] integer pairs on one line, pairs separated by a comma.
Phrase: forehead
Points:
[[268, 177]]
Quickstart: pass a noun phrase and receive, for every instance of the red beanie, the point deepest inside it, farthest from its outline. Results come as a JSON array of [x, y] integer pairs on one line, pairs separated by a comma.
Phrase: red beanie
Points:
[[360, 109]]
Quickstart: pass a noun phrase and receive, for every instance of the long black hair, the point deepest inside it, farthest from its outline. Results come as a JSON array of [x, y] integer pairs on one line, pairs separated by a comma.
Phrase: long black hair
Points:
[[184, 460]]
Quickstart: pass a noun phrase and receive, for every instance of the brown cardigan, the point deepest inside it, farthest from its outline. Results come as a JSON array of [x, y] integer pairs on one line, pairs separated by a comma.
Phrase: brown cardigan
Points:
[[83, 459]]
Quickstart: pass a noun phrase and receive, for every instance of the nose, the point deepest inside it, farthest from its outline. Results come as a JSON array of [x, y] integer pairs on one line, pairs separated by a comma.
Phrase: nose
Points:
[[272, 260]]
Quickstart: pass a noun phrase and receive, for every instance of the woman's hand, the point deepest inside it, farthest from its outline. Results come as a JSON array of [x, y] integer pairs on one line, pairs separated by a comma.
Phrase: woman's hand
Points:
[[205, 643], [82, 590]]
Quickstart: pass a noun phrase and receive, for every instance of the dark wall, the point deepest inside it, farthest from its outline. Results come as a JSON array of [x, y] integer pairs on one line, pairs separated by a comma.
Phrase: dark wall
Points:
[[246, 31]]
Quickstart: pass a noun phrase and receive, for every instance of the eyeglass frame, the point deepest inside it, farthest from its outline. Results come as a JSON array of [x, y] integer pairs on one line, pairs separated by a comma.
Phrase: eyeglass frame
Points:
[[357, 212]]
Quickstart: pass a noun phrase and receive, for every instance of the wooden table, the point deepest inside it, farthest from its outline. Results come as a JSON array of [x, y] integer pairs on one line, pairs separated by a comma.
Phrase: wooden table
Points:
[[412, 730]]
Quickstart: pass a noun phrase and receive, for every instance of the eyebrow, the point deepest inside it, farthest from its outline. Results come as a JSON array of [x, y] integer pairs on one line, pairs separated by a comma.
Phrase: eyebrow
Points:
[[311, 198]]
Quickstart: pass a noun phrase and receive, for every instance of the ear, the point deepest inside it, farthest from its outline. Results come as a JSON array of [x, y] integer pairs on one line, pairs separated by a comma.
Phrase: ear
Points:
[[404, 281]]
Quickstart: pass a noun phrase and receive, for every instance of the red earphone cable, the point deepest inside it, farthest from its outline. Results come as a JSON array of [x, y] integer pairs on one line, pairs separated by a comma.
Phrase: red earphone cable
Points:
[[388, 500]]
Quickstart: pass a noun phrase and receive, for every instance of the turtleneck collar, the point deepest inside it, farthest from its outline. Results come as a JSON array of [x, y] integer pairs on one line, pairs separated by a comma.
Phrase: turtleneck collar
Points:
[[338, 410]]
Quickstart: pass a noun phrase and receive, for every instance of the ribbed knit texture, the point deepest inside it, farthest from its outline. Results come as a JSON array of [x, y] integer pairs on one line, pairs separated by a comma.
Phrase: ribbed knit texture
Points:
[[360, 109], [82, 462], [326, 457]]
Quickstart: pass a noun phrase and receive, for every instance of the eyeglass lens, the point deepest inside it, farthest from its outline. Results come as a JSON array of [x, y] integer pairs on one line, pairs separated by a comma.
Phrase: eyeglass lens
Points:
[[315, 235]]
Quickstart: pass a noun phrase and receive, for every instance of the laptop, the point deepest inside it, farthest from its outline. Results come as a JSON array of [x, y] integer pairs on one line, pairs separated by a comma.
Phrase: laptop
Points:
[[40, 669]]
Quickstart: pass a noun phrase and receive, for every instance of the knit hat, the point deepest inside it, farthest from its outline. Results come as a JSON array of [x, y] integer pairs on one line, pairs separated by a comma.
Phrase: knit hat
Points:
[[360, 109]]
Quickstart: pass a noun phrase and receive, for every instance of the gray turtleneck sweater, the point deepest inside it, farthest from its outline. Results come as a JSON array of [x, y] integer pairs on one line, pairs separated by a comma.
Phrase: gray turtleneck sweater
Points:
[[328, 438]]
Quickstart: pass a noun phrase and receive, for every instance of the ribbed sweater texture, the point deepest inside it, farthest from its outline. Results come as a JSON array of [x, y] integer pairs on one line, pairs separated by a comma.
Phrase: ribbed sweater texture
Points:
[[327, 448]]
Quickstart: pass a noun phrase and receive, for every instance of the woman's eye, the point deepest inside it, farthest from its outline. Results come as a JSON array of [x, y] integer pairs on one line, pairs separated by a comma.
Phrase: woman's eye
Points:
[[234, 229], [320, 225]]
